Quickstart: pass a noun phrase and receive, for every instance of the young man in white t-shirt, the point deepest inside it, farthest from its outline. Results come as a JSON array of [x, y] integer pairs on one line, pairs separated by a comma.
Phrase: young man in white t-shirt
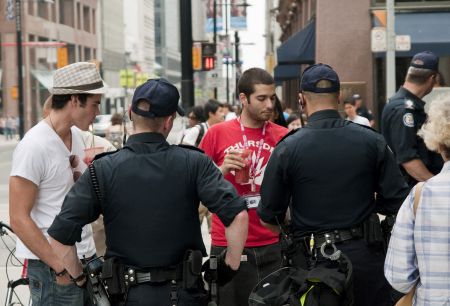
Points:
[[45, 165], [350, 111], [215, 113]]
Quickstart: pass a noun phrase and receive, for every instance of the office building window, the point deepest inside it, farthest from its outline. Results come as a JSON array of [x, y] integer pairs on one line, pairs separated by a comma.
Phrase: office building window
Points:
[[43, 9], [86, 19], [93, 21], [66, 15]]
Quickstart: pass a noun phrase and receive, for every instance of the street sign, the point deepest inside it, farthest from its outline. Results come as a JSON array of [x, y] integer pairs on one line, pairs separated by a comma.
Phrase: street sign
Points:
[[378, 41], [403, 43]]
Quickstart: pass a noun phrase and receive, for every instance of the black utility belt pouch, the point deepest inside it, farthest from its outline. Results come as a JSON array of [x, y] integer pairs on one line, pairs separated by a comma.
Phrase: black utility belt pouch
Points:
[[192, 269], [113, 276], [373, 233]]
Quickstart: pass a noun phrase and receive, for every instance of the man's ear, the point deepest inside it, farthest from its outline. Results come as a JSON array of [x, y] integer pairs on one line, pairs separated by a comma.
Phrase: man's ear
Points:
[[243, 98]]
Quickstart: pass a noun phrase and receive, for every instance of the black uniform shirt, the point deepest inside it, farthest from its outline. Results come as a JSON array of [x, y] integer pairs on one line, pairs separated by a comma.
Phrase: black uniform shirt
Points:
[[402, 118], [330, 170], [151, 195]]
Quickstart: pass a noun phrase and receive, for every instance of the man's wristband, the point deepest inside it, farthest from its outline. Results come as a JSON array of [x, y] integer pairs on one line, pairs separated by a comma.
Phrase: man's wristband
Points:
[[79, 278], [62, 273]]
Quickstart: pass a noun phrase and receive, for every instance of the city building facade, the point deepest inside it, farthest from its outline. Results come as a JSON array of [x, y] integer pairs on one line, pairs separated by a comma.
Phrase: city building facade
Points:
[[44, 25], [339, 33]]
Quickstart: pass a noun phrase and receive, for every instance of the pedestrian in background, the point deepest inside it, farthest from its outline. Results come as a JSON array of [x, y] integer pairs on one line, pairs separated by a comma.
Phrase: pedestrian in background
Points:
[[254, 135], [352, 115], [293, 121], [418, 256], [195, 116], [362, 110], [115, 132], [403, 117], [46, 163], [328, 173], [214, 113], [143, 186]]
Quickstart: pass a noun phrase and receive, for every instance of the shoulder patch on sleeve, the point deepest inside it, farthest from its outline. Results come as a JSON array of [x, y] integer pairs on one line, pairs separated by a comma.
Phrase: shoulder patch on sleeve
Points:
[[191, 148], [409, 104], [408, 120]]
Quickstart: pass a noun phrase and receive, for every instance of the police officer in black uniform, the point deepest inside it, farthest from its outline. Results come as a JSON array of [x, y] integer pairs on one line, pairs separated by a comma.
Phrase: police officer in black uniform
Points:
[[148, 193], [404, 115], [328, 173]]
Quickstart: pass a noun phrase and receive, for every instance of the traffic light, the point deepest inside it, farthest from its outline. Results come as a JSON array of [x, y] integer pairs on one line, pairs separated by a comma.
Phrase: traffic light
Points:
[[208, 56], [208, 63], [197, 56]]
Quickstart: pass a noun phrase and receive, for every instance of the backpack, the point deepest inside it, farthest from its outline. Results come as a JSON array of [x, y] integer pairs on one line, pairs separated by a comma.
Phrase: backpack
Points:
[[327, 283], [201, 133]]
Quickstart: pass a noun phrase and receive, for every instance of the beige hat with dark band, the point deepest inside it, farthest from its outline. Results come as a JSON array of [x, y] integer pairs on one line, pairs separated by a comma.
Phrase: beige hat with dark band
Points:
[[77, 78]]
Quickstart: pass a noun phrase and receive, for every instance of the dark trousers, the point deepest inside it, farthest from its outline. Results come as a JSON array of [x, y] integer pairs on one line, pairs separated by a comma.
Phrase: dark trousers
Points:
[[370, 287], [158, 294], [260, 262]]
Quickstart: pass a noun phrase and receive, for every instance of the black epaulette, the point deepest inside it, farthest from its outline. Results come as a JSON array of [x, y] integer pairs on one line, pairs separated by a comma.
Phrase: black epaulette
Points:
[[104, 154], [191, 148], [288, 134]]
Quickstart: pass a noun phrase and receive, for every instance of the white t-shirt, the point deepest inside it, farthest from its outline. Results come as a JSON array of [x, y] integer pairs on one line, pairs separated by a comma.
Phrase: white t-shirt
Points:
[[43, 158], [360, 120], [191, 134]]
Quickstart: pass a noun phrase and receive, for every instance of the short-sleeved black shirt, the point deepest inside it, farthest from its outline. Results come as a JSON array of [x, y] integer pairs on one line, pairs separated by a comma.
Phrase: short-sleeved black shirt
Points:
[[402, 118], [330, 171], [151, 192]]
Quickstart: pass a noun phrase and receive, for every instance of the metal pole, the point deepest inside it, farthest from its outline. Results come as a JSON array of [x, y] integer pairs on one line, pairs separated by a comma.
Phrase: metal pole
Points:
[[237, 62], [390, 49], [228, 43], [187, 73], [215, 40], [19, 68]]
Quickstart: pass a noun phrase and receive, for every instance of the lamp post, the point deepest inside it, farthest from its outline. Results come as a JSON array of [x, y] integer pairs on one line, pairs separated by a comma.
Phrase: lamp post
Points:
[[18, 8], [226, 4]]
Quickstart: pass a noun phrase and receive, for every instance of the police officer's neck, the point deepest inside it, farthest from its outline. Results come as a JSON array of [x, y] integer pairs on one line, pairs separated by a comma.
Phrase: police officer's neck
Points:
[[248, 121], [419, 91]]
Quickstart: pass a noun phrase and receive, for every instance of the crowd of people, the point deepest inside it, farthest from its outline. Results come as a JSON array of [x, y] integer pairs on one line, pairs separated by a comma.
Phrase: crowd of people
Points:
[[279, 188]]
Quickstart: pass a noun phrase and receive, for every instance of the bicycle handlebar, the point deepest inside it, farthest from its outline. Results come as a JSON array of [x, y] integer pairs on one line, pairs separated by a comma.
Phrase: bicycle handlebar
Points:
[[2, 224]]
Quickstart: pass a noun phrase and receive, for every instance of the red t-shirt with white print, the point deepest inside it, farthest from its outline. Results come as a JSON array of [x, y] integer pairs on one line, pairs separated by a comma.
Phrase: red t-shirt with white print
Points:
[[227, 136]]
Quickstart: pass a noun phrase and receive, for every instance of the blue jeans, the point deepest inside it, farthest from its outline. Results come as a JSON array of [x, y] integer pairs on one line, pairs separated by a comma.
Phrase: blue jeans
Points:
[[259, 262], [45, 291]]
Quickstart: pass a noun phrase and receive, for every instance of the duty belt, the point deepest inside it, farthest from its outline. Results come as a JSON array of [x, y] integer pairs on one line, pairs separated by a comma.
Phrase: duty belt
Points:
[[152, 275], [334, 237]]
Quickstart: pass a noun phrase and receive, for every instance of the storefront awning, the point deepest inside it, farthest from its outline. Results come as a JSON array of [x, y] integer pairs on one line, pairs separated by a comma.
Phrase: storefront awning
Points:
[[44, 77], [429, 31], [300, 48], [286, 72]]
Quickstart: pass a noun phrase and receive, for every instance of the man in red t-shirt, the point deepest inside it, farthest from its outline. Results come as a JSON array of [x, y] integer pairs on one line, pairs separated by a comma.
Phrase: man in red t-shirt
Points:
[[224, 143]]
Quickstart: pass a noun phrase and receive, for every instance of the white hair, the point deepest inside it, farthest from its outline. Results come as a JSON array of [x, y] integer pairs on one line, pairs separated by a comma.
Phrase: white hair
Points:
[[436, 131]]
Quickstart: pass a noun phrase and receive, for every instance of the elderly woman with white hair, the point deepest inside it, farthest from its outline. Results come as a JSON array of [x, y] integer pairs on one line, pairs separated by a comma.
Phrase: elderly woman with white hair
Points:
[[418, 257]]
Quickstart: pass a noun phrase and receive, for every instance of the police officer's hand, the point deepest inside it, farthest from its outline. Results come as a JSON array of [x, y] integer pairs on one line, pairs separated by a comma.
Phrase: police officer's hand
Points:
[[222, 275], [232, 161]]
